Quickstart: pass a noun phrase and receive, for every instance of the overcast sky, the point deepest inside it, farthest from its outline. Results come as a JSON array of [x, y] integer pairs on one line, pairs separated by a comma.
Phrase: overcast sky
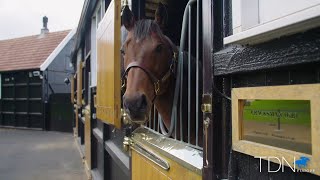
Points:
[[24, 17]]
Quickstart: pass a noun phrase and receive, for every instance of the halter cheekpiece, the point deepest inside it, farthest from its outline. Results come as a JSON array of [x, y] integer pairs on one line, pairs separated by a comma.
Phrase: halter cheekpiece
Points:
[[159, 84]]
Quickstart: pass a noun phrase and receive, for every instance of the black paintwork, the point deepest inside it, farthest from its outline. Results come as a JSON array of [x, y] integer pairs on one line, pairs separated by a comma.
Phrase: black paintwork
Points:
[[21, 102], [60, 112], [227, 17], [53, 85], [138, 9], [297, 49], [210, 149]]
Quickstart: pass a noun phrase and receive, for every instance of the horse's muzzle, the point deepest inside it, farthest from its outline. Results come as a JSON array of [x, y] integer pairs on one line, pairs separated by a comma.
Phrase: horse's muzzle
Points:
[[136, 107]]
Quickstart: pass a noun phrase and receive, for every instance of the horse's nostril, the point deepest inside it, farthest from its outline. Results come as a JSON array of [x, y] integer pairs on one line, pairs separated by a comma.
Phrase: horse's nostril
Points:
[[136, 104], [143, 101]]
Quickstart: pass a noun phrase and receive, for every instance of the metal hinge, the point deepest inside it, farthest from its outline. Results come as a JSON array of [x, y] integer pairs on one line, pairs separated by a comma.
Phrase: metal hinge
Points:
[[95, 101], [206, 106]]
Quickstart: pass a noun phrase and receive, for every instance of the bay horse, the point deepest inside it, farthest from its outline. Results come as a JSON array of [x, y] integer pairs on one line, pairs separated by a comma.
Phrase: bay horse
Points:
[[149, 70]]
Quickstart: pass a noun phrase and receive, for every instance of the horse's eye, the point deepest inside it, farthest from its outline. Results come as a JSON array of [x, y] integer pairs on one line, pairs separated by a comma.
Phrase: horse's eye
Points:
[[122, 52], [159, 48]]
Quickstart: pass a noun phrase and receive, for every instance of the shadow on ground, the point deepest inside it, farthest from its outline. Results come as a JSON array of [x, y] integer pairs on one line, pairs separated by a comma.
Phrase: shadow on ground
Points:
[[39, 155]]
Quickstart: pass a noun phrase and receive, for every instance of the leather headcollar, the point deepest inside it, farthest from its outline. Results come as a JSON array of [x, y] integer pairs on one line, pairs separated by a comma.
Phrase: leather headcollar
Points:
[[160, 84]]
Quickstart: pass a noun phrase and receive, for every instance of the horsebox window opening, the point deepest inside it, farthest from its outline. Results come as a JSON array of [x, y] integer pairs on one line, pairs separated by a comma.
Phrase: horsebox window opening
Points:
[[181, 23]]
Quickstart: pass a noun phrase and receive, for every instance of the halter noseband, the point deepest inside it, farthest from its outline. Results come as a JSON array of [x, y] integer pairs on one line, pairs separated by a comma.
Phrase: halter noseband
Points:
[[160, 85]]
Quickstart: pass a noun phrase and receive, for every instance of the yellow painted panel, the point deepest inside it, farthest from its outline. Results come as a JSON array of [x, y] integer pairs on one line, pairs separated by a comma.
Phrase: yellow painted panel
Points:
[[87, 136], [108, 87], [79, 83], [142, 168], [77, 119]]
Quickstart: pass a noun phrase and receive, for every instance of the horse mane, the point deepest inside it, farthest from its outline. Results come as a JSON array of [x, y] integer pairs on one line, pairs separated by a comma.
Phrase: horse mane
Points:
[[144, 28]]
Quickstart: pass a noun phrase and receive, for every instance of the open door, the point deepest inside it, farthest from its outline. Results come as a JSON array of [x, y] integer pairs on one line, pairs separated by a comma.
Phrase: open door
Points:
[[87, 136], [79, 84], [108, 67]]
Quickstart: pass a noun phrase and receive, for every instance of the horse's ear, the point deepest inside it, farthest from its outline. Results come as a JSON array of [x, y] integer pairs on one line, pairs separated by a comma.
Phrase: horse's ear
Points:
[[127, 18], [161, 15]]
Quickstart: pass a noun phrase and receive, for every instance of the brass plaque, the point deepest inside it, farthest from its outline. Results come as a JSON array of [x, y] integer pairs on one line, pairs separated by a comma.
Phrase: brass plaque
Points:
[[279, 123]]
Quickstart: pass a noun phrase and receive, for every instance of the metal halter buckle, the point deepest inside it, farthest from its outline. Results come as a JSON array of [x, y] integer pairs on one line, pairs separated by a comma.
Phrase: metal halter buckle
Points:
[[157, 87]]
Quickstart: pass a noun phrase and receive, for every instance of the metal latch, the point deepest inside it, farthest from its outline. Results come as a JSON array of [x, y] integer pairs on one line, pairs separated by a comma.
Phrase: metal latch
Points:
[[125, 118], [95, 101], [86, 110], [127, 142], [206, 106], [206, 123], [94, 116]]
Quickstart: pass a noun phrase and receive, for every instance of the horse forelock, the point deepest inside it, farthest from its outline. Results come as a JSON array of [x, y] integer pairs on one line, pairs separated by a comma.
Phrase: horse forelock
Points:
[[144, 28]]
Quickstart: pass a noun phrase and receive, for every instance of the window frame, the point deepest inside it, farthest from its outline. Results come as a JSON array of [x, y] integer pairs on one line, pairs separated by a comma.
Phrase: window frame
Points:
[[248, 30], [98, 13], [289, 92]]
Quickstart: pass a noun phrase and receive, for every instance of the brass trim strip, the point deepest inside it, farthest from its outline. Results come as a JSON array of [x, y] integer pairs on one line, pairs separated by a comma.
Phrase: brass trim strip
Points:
[[177, 151], [151, 156]]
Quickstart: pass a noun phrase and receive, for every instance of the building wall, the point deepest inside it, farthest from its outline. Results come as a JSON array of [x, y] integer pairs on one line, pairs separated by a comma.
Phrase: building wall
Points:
[[21, 103], [57, 71]]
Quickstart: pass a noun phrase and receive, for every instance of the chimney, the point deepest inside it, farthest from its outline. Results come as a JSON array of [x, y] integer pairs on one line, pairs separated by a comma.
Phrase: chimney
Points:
[[44, 29]]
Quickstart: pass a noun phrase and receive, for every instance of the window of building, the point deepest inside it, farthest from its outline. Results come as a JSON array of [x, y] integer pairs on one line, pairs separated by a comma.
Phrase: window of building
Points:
[[96, 19], [99, 12], [256, 21]]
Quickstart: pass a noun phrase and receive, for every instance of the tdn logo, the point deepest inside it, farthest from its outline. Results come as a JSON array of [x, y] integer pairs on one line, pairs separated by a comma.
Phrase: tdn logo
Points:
[[281, 162], [302, 164]]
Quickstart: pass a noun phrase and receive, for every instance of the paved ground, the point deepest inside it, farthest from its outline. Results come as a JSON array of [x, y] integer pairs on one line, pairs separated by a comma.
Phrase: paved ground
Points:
[[39, 155]]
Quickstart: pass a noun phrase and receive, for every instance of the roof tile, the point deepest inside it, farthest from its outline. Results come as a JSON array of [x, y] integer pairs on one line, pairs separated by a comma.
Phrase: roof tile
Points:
[[28, 52]]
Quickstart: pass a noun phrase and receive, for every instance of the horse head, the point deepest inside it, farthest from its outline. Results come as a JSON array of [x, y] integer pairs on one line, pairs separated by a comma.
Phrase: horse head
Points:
[[148, 62]]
